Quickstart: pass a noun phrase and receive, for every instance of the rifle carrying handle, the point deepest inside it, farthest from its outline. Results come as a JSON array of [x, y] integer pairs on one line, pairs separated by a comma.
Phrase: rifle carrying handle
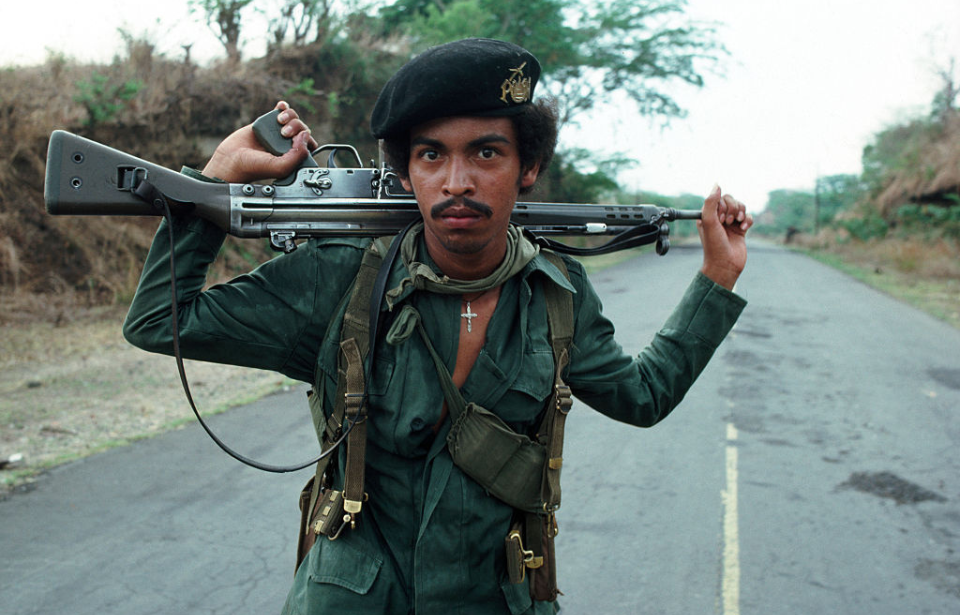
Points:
[[267, 130]]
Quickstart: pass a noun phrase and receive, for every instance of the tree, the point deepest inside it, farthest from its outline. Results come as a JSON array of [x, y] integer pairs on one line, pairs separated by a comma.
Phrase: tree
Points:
[[301, 22], [223, 17], [945, 100], [791, 209], [573, 177], [588, 50], [838, 193]]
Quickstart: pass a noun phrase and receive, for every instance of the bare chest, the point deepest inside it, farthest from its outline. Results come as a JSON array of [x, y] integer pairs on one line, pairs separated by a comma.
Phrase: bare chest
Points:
[[474, 317]]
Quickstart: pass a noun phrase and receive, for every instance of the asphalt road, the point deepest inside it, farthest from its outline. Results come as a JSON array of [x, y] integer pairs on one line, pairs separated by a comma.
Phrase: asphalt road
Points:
[[814, 468]]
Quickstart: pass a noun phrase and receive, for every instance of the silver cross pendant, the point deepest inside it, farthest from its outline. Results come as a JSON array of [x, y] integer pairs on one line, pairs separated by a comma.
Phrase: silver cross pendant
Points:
[[469, 316]]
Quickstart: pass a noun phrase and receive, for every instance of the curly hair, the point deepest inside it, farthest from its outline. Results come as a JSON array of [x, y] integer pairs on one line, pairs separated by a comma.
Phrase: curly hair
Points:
[[536, 128]]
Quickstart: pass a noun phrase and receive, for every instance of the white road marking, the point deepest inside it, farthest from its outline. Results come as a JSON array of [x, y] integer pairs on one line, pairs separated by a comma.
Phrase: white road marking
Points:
[[731, 539]]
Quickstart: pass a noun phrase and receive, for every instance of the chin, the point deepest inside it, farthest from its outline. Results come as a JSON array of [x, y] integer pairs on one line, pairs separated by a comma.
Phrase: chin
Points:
[[463, 246]]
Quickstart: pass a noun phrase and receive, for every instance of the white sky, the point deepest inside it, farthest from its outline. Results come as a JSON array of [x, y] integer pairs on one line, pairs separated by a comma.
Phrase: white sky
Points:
[[807, 83]]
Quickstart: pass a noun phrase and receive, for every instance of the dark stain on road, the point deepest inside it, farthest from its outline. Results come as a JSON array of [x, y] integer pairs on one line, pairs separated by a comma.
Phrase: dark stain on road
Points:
[[889, 485], [949, 378], [945, 575]]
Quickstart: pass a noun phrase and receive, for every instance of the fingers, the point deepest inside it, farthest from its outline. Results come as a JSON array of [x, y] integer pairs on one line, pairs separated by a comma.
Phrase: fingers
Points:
[[735, 213], [711, 205], [724, 211], [292, 125]]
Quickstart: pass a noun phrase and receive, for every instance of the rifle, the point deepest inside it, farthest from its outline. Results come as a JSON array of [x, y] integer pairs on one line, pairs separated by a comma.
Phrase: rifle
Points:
[[84, 177]]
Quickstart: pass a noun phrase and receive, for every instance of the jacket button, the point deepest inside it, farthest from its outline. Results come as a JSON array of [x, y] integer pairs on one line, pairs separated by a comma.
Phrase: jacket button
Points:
[[416, 424]]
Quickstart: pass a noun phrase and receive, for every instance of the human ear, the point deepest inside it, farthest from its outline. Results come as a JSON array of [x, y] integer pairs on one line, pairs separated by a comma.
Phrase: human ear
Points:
[[528, 176]]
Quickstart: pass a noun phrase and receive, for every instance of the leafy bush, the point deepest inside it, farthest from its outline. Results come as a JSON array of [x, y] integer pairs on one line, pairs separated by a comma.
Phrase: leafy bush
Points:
[[930, 220], [102, 100], [870, 226], [301, 95]]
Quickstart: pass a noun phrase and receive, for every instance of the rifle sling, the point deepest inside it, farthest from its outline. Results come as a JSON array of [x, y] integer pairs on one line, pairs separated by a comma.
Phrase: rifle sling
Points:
[[151, 195], [631, 238]]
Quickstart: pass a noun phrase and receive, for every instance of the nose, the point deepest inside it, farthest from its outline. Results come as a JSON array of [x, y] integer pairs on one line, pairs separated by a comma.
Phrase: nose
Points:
[[458, 180]]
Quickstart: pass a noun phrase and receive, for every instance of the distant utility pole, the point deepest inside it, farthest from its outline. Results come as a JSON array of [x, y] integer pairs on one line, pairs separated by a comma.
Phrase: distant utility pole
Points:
[[816, 206]]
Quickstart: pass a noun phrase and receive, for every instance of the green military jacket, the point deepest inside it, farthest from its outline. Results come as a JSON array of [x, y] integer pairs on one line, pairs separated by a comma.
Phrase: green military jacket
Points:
[[430, 540]]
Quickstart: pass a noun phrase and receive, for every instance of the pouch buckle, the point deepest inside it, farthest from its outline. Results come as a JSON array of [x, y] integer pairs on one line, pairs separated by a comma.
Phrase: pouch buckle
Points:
[[564, 398], [331, 518], [519, 558]]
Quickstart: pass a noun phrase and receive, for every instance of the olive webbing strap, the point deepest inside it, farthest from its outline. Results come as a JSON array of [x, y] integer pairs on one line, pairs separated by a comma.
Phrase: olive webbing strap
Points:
[[359, 329], [355, 409], [456, 405], [560, 319]]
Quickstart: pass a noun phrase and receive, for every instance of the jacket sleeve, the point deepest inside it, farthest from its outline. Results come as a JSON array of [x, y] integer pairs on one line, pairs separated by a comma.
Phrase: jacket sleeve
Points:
[[271, 318], [643, 390]]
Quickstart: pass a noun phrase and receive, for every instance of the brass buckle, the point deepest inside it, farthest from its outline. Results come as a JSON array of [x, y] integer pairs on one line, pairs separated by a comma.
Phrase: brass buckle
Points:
[[516, 557], [353, 402], [331, 517], [564, 398], [529, 558], [554, 529]]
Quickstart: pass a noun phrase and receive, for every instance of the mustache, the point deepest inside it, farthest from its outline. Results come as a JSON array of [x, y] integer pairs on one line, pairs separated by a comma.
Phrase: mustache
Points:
[[481, 208]]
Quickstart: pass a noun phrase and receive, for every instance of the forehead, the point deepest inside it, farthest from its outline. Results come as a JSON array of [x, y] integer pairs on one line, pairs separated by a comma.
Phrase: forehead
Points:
[[466, 129]]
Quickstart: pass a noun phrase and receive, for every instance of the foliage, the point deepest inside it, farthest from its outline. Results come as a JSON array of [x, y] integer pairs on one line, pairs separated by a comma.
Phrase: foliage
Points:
[[223, 17], [865, 227], [300, 21], [301, 95], [789, 209], [573, 177], [910, 180], [917, 160], [895, 150], [588, 50], [930, 221], [836, 194], [945, 100], [104, 100]]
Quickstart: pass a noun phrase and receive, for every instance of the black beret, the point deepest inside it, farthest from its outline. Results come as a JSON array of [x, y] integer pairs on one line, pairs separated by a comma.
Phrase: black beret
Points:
[[472, 77]]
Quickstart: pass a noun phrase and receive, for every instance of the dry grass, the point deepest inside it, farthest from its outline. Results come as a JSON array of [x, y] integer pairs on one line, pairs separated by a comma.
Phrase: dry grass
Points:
[[65, 389], [933, 168], [924, 273], [65, 384]]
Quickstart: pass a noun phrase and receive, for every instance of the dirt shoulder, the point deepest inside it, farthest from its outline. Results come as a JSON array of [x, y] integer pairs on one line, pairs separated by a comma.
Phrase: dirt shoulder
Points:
[[76, 387]]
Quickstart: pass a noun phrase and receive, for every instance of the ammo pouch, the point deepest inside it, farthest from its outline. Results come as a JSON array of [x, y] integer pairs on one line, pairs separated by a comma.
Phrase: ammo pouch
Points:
[[507, 464], [530, 552]]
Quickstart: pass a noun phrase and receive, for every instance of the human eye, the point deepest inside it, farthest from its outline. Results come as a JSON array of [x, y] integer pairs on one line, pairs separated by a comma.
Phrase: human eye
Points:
[[428, 153], [488, 153]]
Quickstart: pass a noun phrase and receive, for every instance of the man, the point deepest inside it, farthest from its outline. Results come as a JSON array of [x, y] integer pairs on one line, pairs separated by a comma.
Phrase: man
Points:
[[461, 128]]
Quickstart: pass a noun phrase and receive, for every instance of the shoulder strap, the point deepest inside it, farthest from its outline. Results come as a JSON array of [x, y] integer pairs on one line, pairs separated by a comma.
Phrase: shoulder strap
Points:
[[560, 321], [360, 323]]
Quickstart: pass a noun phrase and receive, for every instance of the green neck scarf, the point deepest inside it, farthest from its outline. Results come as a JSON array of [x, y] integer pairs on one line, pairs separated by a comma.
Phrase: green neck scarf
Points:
[[520, 251]]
